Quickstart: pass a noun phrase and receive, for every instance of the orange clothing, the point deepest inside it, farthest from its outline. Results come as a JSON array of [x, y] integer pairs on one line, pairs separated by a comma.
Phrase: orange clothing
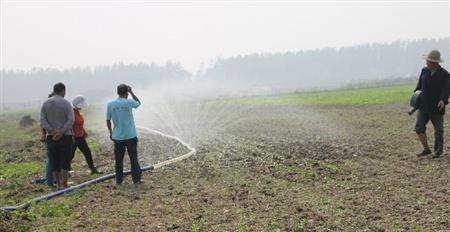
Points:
[[78, 125]]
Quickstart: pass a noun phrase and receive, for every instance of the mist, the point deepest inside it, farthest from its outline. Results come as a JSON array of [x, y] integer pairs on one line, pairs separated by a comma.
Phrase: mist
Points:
[[232, 49], [242, 75]]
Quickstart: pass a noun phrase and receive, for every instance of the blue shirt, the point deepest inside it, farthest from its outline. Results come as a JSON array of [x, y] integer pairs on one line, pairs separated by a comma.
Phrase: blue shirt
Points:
[[120, 111]]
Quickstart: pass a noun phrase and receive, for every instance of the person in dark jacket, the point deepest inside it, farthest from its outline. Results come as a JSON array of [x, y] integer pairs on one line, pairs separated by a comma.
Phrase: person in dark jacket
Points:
[[434, 83]]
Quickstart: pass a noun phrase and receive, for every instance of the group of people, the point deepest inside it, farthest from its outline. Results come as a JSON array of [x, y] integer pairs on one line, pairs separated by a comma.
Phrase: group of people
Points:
[[63, 124], [63, 133]]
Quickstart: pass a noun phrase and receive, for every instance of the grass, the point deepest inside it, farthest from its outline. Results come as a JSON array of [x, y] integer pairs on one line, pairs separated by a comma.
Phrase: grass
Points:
[[22, 160], [369, 96], [10, 129], [19, 170]]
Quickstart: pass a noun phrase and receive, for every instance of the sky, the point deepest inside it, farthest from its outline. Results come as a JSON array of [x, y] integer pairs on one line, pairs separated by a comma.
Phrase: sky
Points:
[[67, 34]]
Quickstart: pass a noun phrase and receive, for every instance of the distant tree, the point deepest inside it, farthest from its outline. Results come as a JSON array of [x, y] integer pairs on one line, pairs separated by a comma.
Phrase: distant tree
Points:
[[96, 83], [317, 69], [328, 67]]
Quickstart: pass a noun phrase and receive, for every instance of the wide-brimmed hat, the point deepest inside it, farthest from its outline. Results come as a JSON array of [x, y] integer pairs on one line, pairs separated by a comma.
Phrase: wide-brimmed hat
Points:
[[433, 56], [79, 102]]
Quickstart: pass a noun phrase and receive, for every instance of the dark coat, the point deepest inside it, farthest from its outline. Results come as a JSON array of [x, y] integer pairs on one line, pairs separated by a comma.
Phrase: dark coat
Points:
[[434, 89]]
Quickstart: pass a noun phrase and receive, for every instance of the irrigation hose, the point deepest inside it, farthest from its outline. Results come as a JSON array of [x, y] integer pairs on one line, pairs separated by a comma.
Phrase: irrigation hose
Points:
[[49, 196]]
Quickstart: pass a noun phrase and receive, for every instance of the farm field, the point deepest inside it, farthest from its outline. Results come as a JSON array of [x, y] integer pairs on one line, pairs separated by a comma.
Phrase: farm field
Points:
[[336, 160], [363, 96]]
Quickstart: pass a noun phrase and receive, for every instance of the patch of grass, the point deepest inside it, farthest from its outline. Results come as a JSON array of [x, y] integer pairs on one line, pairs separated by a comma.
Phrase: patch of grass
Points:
[[94, 146], [416, 228], [16, 220], [329, 167], [50, 210], [14, 113], [197, 224], [11, 131], [15, 179], [19, 170], [133, 213], [23, 220], [369, 96]]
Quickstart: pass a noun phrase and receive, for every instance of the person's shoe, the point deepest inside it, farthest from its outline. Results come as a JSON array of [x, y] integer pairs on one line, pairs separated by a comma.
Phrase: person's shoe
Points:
[[139, 182], [50, 184], [95, 171], [425, 152], [40, 181], [437, 155], [411, 111]]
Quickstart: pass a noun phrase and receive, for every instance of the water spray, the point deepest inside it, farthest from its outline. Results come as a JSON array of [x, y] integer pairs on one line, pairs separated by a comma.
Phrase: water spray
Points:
[[49, 196]]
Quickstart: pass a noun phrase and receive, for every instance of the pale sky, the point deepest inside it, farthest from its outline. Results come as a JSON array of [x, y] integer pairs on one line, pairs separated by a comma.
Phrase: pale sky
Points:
[[61, 35]]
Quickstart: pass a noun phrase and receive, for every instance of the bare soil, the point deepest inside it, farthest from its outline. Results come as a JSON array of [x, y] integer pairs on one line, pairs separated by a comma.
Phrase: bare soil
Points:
[[286, 168]]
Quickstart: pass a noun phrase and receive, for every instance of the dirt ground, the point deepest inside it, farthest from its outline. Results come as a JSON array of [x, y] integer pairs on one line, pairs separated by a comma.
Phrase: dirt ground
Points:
[[279, 168]]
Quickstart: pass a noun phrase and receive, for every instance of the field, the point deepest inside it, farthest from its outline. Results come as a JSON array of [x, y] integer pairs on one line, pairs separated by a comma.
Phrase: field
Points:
[[324, 161], [363, 96]]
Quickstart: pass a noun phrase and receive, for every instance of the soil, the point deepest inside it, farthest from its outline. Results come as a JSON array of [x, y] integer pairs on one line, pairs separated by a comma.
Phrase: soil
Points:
[[286, 168]]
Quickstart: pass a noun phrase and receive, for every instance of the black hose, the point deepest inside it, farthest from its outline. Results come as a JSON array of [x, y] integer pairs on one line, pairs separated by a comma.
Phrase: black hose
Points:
[[69, 189]]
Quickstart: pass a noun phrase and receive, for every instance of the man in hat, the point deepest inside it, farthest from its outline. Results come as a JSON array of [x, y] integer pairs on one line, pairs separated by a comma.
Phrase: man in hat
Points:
[[434, 84]]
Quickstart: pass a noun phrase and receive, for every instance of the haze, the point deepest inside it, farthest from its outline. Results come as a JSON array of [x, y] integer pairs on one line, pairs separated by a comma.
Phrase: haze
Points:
[[66, 35]]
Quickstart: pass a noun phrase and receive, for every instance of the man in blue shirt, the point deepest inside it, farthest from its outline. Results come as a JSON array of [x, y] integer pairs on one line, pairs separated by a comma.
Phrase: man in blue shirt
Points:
[[124, 136]]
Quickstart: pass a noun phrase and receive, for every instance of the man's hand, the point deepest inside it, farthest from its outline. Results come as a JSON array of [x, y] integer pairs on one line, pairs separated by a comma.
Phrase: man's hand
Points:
[[108, 125], [56, 136], [130, 90], [441, 105]]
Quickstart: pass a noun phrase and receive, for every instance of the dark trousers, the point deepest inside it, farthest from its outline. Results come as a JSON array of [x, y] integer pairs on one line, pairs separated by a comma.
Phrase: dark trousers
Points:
[[438, 123], [49, 171], [59, 152], [130, 145], [81, 144]]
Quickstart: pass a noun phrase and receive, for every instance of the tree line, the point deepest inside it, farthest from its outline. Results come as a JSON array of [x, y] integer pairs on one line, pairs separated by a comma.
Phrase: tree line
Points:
[[309, 69], [327, 67], [96, 83]]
